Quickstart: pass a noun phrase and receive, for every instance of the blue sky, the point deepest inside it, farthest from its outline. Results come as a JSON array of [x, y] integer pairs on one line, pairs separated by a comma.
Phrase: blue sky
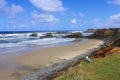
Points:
[[27, 15]]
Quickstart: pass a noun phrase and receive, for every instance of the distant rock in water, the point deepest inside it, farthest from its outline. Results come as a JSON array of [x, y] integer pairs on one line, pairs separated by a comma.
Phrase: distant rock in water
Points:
[[47, 35], [74, 35], [90, 31], [33, 35]]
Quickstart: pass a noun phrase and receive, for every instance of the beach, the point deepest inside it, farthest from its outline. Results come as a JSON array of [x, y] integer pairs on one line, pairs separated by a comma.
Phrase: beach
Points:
[[48, 56], [40, 39], [52, 55]]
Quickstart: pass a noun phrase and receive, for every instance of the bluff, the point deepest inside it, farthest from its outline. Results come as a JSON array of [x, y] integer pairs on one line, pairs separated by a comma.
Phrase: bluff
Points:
[[111, 36]]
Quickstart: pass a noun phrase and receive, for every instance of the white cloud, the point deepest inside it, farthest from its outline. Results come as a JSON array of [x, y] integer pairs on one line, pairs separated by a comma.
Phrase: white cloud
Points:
[[14, 9], [112, 21], [48, 5], [44, 17], [115, 20], [74, 21], [99, 23], [117, 2], [9, 11]]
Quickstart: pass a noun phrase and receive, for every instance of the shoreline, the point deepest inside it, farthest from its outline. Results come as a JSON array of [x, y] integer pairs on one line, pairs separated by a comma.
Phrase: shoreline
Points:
[[9, 66], [70, 55], [49, 55]]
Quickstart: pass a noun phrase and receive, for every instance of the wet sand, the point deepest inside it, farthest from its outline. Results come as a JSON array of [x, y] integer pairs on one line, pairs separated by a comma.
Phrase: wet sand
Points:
[[48, 56]]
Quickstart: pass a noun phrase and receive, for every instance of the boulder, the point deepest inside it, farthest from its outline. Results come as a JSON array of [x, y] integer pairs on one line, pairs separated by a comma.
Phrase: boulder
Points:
[[33, 35], [74, 35], [47, 35], [90, 31]]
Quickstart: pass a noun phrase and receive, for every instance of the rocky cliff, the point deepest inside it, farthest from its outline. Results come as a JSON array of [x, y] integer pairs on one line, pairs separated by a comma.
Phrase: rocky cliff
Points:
[[110, 36]]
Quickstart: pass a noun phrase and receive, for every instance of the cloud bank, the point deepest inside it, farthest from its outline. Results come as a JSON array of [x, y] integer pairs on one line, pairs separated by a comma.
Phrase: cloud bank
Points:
[[113, 21], [48, 5], [44, 17], [10, 11]]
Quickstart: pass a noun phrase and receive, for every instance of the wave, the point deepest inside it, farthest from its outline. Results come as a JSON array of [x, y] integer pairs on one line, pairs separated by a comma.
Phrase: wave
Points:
[[33, 42], [46, 41]]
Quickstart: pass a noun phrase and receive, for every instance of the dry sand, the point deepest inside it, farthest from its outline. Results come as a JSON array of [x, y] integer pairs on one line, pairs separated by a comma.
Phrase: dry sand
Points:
[[52, 55], [49, 56]]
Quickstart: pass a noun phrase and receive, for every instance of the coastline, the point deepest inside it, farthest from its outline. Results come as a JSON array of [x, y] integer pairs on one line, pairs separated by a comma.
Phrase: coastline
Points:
[[58, 55], [53, 55]]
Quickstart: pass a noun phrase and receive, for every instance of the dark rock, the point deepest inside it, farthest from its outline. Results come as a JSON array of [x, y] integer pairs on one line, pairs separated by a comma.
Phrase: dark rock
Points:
[[47, 35], [110, 36], [63, 32], [90, 31], [102, 34], [74, 35], [34, 35]]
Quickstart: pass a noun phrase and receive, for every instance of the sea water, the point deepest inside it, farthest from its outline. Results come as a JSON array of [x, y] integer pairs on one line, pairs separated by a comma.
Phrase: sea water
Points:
[[14, 42], [19, 42]]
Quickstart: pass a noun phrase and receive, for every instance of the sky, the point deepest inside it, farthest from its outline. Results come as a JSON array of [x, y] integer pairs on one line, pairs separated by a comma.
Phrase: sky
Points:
[[49, 15]]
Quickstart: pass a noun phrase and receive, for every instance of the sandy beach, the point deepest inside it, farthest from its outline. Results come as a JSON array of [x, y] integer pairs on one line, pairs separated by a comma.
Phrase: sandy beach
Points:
[[52, 55], [49, 56]]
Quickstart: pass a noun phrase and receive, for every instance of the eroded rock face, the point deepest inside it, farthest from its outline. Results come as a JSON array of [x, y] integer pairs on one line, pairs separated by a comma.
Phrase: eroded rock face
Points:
[[105, 52], [34, 35], [102, 33], [102, 52], [110, 36], [106, 33]]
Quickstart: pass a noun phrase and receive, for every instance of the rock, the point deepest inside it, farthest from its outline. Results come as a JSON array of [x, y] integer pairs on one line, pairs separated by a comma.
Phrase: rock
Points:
[[109, 36], [34, 35], [47, 35], [74, 35], [90, 31], [102, 33], [63, 32]]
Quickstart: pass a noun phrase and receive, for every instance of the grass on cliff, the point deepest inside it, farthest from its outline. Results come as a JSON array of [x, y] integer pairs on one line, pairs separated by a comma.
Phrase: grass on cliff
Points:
[[107, 68]]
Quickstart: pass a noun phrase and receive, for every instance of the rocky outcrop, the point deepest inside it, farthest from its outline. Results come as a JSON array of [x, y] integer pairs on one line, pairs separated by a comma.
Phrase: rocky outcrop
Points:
[[112, 42], [105, 52], [47, 35], [102, 33], [74, 35], [110, 36], [102, 52], [90, 31], [63, 32], [33, 35]]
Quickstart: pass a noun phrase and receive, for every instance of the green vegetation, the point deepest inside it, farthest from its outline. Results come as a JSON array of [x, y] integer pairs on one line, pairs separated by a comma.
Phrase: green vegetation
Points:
[[107, 68]]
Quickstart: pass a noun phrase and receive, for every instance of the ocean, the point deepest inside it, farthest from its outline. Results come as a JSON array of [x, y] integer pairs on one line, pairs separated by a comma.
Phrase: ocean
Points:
[[12, 42], [20, 42]]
